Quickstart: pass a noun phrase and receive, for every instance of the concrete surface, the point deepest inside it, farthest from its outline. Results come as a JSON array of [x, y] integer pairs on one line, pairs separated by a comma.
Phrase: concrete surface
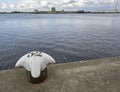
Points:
[[99, 75]]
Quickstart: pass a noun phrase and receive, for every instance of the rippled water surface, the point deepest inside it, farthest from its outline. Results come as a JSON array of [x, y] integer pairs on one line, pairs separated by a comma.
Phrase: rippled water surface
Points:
[[70, 37]]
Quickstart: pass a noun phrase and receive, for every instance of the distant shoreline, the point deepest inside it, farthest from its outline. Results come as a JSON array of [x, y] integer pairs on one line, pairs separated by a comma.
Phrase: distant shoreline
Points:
[[58, 12]]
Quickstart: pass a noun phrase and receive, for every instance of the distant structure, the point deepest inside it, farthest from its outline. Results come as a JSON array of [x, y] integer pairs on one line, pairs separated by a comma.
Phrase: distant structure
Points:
[[116, 6], [64, 4], [36, 11], [48, 3], [80, 11]]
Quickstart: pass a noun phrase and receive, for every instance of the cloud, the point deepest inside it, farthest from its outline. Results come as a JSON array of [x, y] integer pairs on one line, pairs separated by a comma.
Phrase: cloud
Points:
[[27, 4], [12, 6], [20, 5], [106, 1], [33, 4], [43, 3], [3, 6], [71, 2]]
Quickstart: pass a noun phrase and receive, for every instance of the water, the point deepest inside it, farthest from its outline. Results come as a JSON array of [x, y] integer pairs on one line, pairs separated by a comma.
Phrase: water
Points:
[[69, 37]]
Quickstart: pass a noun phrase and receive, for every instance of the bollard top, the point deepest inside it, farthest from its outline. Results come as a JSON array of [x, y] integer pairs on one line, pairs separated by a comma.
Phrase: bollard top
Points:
[[35, 62]]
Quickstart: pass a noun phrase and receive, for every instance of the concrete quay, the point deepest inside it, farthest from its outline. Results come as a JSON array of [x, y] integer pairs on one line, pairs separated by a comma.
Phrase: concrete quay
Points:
[[98, 75]]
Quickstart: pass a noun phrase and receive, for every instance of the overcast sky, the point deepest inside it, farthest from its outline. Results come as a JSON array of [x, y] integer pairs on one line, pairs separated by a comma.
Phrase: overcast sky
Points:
[[30, 5]]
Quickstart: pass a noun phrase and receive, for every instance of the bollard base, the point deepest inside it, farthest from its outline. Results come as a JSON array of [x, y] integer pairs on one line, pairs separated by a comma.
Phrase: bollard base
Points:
[[40, 79]]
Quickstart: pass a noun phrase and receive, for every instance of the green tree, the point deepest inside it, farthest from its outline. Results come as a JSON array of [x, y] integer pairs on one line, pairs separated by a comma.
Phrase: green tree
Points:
[[62, 11], [53, 9]]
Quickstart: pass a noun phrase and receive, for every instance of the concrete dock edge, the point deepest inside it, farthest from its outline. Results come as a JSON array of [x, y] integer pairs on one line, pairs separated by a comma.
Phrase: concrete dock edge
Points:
[[98, 75]]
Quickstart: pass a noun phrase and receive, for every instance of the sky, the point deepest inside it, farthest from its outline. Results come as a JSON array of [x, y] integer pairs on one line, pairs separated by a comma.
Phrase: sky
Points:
[[69, 5]]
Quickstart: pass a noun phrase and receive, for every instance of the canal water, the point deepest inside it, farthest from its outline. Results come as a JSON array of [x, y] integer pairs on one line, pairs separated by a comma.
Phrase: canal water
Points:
[[66, 37]]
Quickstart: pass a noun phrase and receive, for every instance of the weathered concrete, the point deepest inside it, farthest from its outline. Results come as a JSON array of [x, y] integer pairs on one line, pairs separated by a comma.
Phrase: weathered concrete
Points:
[[99, 75]]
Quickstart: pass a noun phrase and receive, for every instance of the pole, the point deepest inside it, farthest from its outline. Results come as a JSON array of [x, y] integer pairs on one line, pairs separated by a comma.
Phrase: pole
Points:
[[116, 5]]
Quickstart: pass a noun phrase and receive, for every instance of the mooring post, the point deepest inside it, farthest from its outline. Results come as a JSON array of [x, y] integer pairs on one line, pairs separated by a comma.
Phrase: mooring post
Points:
[[40, 79]]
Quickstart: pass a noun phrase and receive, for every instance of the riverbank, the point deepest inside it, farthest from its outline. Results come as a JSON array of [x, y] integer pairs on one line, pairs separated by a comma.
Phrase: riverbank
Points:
[[59, 12], [98, 75]]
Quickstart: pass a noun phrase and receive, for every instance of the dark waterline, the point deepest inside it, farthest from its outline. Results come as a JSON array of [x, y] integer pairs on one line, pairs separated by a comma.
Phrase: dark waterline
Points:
[[71, 37]]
